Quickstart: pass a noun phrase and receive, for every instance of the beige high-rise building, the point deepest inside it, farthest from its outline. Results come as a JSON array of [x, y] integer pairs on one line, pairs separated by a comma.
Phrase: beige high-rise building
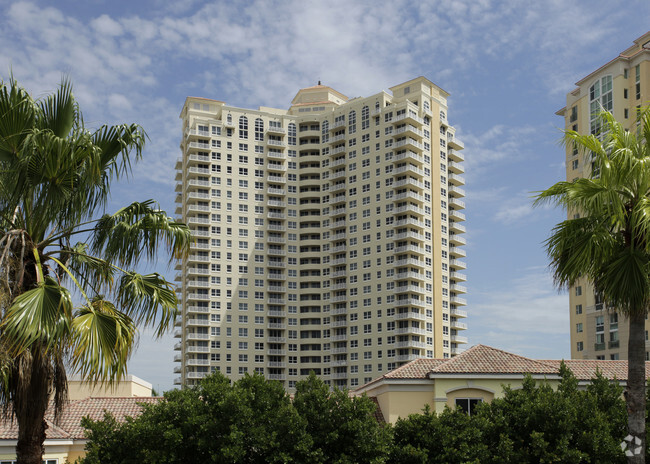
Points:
[[328, 237], [621, 86]]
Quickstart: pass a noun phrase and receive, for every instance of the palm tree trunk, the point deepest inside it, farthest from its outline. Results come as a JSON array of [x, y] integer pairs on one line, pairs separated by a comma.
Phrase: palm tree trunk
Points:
[[30, 403], [636, 386]]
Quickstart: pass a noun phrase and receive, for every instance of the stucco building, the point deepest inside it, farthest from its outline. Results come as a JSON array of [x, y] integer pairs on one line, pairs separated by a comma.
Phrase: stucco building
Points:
[[328, 237]]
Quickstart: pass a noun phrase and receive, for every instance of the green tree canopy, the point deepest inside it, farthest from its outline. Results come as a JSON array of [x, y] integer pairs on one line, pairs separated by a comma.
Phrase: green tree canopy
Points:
[[250, 421]]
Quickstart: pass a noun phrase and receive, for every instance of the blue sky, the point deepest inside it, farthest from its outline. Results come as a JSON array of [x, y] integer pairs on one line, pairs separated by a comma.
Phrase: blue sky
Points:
[[507, 64]]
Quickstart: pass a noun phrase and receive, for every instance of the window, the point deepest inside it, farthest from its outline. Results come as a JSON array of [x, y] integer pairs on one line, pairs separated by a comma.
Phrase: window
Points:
[[243, 127], [259, 129], [600, 94], [468, 405], [580, 346], [579, 327]]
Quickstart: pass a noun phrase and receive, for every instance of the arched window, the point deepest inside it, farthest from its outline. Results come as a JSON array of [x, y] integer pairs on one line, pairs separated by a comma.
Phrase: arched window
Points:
[[365, 118], [352, 122], [291, 132], [600, 93], [243, 127], [229, 119], [259, 129], [325, 131]]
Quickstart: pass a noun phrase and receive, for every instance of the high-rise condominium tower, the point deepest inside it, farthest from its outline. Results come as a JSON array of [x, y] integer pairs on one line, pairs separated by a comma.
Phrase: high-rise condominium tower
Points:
[[621, 86], [327, 236]]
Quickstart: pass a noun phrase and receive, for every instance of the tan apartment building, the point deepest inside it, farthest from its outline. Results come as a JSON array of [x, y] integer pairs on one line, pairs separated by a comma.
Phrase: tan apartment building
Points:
[[621, 86], [328, 237]]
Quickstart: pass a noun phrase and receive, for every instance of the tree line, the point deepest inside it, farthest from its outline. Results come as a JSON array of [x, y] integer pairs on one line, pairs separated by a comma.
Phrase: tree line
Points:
[[254, 420]]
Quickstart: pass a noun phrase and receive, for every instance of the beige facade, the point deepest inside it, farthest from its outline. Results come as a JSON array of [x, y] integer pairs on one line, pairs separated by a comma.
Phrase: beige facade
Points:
[[621, 86], [328, 237], [476, 375], [127, 387]]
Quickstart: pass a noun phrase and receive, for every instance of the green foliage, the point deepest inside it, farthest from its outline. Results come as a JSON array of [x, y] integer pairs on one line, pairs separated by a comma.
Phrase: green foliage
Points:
[[343, 428], [250, 421], [533, 424]]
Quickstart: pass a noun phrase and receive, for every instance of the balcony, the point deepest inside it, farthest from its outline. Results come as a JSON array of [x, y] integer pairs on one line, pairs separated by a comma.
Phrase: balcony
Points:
[[457, 252], [409, 315], [276, 167], [409, 262], [599, 346], [409, 275], [456, 191], [454, 143], [280, 377], [411, 182], [458, 339], [456, 168], [197, 309], [278, 179], [458, 325], [276, 143], [276, 130], [409, 156], [408, 289], [455, 155], [410, 330], [456, 227], [458, 288], [407, 357], [202, 322], [455, 179], [456, 264], [276, 191], [457, 239], [457, 276], [456, 215], [613, 344], [411, 344], [276, 352], [410, 302]]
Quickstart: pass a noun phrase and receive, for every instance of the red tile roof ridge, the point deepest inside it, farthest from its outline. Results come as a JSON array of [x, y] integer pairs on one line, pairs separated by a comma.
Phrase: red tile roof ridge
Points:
[[486, 359]]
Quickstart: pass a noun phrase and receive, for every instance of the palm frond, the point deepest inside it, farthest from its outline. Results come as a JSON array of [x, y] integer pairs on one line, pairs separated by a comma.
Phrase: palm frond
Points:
[[103, 339], [136, 232], [59, 110], [148, 299], [41, 315]]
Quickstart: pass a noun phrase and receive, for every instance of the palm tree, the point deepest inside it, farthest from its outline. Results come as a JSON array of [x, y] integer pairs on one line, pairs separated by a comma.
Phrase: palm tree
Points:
[[55, 178], [610, 242]]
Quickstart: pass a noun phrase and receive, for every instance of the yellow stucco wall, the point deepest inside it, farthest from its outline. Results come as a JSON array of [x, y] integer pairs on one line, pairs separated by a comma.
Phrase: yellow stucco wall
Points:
[[132, 386], [400, 400]]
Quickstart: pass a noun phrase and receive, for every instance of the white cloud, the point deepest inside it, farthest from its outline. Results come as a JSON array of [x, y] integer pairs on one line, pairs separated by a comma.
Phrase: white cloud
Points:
[[522, 315]]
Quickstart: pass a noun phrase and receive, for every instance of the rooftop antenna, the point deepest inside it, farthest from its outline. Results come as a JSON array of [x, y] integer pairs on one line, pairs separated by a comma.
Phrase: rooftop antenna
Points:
[[319, 82]]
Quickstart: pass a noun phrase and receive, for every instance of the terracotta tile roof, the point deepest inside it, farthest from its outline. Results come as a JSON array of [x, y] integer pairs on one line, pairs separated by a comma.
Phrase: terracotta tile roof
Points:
[[417, 369], [482, 359], [69, 426], [585, 369]]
